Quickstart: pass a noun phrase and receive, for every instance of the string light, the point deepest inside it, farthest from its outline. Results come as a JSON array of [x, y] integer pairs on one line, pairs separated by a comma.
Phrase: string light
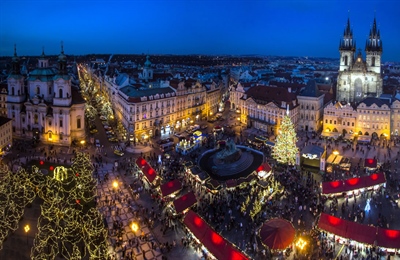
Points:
[[65, 228]]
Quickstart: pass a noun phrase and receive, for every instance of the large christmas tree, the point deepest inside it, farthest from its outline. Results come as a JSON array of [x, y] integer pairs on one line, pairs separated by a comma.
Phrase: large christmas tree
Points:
[[285, 149]]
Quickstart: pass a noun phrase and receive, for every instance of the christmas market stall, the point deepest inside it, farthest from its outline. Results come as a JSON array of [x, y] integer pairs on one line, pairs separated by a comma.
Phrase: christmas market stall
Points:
[[170, 189], [353, 186], [358, 235], [313, 156], [185, 202], [370, 164], [212, 243], [148, 171], [264, 171]]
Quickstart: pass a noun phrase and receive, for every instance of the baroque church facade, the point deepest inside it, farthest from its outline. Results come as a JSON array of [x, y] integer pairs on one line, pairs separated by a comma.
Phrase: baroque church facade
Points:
[[43, 104]]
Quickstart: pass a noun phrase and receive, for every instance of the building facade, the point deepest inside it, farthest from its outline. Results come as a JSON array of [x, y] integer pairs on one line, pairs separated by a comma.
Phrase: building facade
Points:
[[47, 108], [359, 78], [263, 107], [5, 134]]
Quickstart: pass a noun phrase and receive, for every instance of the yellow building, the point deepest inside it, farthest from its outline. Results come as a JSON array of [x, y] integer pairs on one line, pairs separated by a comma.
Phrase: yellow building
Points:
[[5, 133]]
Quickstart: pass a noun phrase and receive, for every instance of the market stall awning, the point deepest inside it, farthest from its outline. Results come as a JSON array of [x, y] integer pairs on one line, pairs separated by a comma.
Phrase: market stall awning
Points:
[[375, 179], [147, 170], [264, 167], [361, 233], [231, 183], [277, 234], [184, 202], [332, 187], [388, 238], [332, 224], [195, 224], [370, 163], [353, 183], [217, 245], [170, 187]]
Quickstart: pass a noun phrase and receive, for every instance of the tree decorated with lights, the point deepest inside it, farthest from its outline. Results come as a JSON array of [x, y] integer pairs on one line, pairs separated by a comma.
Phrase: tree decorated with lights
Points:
[[285, 149]]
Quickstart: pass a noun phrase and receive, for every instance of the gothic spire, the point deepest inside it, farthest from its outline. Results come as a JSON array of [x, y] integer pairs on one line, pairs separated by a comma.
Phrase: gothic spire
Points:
[[374, 42], [347, 41]]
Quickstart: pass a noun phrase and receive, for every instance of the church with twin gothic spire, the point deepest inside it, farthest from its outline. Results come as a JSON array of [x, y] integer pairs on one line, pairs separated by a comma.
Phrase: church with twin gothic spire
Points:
[[358, 77], [360, 109], [43, 104]]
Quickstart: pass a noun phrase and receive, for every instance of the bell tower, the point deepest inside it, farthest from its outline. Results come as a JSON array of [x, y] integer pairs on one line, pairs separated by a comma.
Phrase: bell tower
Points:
[[347, 48], [373, 49]]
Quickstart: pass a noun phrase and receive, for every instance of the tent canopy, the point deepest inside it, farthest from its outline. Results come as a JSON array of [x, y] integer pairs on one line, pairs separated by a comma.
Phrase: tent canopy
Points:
[[218, 246], [184, 202], [333, 187], [277, 233], [147, 170], [370, 163], [382, 237], [170, 187]]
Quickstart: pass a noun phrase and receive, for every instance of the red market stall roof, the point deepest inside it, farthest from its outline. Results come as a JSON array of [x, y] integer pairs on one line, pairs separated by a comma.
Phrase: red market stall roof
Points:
[[370, 163], [264, 167], [388, 238], [147, 170], [332, 224], [361, 233], [184, 202], [340, 186], [375, 179], [170, 187], [231, 183], [277, 234], [214, 242]]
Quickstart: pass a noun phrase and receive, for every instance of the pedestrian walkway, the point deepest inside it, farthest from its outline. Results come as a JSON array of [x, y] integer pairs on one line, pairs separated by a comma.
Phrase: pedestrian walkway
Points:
[[117, 206]]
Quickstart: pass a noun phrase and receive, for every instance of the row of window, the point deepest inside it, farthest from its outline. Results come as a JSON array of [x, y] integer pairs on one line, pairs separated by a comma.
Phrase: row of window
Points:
[[334, 122]]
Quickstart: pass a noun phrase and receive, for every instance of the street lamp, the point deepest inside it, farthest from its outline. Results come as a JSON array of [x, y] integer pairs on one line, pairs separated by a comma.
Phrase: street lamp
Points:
[[134, 227], [115, 184], [335, 152], [27, 228]]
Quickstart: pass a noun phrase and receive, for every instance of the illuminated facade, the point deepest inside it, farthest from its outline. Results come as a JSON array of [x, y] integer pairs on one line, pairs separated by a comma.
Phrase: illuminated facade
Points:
[[359, 78], [47, 108], [263, 107], [161, 108]]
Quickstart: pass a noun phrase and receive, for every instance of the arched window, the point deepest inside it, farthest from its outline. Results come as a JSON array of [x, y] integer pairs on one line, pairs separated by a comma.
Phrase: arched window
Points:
[[345, 60], [38, 90], [373, 61], [60, 93], [12, 91], [35, 119]]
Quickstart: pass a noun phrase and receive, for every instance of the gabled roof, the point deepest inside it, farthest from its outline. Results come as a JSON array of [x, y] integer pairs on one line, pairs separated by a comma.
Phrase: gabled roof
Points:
[[369, 101], [267, 94]]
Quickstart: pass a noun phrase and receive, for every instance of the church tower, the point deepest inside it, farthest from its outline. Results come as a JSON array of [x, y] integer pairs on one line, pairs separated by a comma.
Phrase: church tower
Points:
[[347, 48], [62, 82], [373, 49]]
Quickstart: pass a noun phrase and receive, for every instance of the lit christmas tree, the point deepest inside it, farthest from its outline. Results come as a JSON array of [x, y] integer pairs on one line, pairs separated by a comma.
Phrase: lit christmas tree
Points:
[[285, 149]]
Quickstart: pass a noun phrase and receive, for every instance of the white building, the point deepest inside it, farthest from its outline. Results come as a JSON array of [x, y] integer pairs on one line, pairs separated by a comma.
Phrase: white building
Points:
[[47, 108]]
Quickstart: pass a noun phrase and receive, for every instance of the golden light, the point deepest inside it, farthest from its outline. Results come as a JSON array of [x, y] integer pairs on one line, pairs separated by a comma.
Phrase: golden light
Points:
[[134, 226], [385, 134], [335, 152], [27, 228], [112, 117], [211, 113], [115, 184], [327, 130], [300, 244], [82, 142], [238, 119]]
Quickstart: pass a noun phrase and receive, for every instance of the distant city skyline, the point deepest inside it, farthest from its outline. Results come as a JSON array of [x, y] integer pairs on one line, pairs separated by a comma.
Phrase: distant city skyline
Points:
[[273, 28]]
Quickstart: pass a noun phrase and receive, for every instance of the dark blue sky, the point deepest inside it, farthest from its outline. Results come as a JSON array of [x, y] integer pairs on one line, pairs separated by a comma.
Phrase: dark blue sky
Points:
[[267, 27]]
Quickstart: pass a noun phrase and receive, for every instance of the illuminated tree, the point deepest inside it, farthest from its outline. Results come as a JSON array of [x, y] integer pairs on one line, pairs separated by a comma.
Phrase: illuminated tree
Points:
[[285, 149]]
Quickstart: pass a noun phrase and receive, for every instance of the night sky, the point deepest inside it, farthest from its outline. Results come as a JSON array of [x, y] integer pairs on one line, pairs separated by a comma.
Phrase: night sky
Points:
[[265, 27]]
